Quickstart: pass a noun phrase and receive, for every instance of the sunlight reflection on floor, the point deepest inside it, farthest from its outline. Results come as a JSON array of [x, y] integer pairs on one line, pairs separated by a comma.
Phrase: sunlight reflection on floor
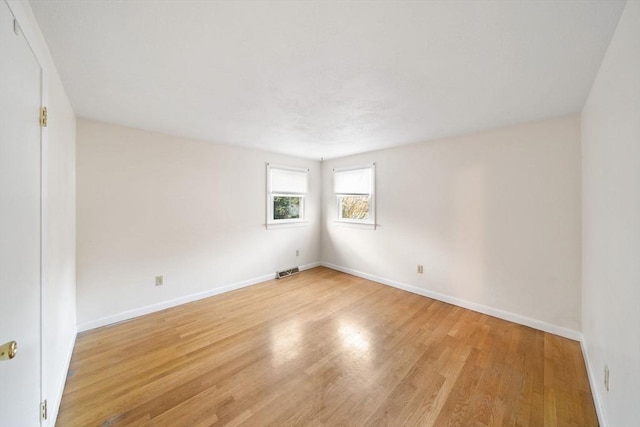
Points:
[[286, 341]]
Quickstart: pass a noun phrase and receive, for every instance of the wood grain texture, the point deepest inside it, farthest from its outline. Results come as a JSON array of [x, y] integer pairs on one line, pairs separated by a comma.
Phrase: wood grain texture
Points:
[[324, 348]]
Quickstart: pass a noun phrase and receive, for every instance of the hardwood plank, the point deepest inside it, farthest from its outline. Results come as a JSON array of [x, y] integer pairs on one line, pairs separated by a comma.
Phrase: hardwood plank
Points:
[[324, 348]]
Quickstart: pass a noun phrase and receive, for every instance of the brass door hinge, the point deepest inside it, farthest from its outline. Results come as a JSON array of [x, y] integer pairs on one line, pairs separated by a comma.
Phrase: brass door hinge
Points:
[[43, 411], [43, 117]]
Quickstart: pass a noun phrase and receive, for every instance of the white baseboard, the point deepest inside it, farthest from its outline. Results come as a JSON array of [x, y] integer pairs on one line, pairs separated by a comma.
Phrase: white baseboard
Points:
[[512, 317], [310, 265], [130, 314], [593, 376], [53, 402]]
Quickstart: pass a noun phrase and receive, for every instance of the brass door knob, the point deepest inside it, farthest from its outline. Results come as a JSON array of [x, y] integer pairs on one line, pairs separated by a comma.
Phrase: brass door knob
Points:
[[8, 350]]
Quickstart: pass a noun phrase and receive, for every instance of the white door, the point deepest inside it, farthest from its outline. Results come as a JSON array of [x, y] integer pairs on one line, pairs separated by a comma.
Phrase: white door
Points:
[[20, 100]]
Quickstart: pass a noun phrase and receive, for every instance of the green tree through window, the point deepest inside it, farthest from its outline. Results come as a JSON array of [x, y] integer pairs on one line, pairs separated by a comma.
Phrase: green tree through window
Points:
[[286, 207]]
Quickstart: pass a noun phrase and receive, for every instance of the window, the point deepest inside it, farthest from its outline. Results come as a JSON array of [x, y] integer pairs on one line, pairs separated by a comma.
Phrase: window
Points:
[[286, 194], [354, 189]]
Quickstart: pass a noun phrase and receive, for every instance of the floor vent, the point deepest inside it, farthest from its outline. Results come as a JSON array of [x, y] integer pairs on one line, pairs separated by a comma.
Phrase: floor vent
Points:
[[286, 273]]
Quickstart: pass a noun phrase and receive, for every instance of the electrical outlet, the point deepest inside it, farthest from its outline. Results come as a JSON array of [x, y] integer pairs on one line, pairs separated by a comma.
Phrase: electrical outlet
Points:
[[297, 252], [606, 377], [159, 280], [420, 269]]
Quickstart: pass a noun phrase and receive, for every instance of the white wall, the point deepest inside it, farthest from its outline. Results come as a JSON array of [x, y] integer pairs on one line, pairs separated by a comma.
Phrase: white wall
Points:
[[494, 218], [58, 250], [611, 225], [151, 204]]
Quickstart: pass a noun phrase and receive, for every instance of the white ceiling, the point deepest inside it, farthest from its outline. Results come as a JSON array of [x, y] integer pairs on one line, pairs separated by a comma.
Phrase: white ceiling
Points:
[[326, 78]]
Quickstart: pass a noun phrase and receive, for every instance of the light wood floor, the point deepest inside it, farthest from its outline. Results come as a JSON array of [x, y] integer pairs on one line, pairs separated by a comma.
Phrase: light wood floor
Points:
[[324, 348]]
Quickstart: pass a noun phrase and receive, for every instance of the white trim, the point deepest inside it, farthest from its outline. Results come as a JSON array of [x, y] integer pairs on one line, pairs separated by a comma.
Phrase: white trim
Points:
[[130, 314], [310, 266], [286, 224], [355, 224], [289, 168], [353, 168], [53, 403], [593, 383], [501, 314]]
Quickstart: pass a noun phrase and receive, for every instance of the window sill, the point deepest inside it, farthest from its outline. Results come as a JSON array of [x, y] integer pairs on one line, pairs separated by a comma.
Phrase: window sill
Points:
[[354, 224], [274, 225]]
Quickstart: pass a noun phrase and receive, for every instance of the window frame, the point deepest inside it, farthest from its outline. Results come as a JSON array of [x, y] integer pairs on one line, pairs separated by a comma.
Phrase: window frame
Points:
[[370, 222], [271, 222]]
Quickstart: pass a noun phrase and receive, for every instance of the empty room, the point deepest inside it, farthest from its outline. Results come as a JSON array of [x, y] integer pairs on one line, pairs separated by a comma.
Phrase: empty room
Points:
[[322, 213]]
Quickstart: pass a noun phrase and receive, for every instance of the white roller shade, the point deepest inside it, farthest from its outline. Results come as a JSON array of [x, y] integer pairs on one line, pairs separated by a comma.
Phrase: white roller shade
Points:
[[355, 181], [288, 181]]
